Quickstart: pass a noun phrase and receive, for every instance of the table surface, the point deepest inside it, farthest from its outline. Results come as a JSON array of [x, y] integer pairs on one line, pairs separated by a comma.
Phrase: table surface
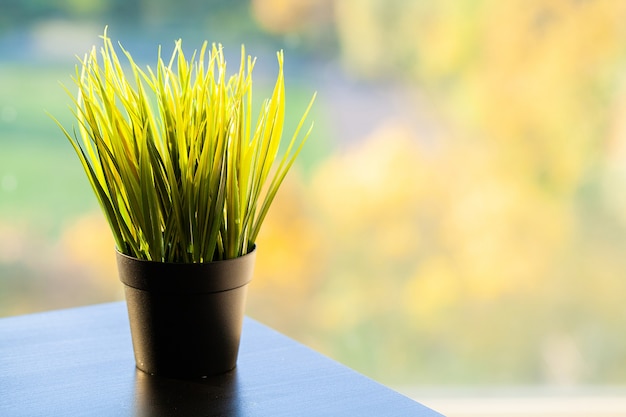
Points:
[[79, 362]]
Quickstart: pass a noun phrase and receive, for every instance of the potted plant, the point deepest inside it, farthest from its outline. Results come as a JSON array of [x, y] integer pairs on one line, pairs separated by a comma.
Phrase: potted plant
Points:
[[185, 174]]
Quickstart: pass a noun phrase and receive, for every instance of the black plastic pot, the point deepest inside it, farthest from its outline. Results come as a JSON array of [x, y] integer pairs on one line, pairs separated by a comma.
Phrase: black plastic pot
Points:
[[186, 319]]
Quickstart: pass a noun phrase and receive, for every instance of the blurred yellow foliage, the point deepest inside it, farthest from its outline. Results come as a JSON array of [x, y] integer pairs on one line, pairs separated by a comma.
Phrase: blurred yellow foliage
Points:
[[435, 288], [88, 242], [495, 235], [285, 16], [519, 73], [290, 246], [379, 178]]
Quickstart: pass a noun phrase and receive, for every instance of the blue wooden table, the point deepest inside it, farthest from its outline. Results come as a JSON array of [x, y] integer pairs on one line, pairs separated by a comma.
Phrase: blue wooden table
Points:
[[79, 362]]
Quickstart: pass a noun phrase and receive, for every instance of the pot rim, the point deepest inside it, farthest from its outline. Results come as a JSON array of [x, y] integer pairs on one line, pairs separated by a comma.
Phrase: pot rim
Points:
[[252, 252], [173, 277]]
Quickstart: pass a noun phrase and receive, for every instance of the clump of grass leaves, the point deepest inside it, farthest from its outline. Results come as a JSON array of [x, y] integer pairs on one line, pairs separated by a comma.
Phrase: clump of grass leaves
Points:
[[172, 154]]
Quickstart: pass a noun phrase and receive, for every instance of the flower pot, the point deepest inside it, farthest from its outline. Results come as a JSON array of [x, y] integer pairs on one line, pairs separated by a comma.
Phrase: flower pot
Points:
[[186, 318]]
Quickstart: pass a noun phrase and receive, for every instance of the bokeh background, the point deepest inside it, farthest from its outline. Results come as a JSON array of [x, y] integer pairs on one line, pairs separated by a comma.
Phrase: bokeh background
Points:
[[458, 217]]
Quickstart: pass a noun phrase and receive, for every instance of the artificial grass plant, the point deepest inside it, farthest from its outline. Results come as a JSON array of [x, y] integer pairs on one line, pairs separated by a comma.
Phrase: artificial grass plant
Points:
[[180, 170]]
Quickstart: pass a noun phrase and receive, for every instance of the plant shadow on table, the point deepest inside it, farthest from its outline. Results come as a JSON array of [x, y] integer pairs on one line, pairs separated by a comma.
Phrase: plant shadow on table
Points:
[[160, 396]]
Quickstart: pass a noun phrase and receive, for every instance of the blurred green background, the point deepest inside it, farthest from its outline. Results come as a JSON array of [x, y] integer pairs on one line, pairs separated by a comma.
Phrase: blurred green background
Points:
[[457, 218]]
